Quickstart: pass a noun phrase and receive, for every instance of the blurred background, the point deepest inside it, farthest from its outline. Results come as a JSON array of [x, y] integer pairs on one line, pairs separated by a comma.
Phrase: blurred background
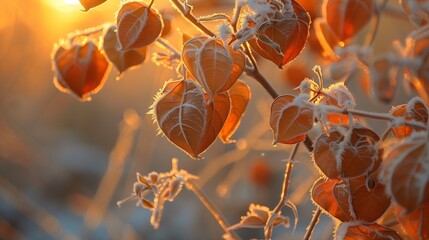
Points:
[[64, 164]]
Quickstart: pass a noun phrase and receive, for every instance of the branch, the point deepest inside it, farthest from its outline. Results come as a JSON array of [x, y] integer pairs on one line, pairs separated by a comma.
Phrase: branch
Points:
[[216, 214], [312, 225], [285, 188], [186, 11]]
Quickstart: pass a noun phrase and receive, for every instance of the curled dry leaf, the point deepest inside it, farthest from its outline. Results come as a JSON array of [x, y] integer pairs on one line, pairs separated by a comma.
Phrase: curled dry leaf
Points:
[[88, 4], [416, 223], [337, 95], [186, 119], [384, 78], [258, 217], [80, 70], [415, 110], [239, 94], [347, 17], [407, 178], [347, 154], [361, 231], [123, 60], [282, 40], [289, 120], [137, 25], [215, 66]]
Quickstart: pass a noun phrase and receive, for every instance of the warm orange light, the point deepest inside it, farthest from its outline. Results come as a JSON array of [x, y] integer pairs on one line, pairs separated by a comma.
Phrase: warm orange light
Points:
[[65, 5]]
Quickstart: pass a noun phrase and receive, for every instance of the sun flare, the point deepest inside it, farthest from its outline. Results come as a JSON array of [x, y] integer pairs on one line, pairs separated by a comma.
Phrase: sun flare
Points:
[[65, 5]]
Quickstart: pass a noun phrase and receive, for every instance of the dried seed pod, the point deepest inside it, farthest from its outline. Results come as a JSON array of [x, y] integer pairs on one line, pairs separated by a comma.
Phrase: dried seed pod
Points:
[[80, 69]]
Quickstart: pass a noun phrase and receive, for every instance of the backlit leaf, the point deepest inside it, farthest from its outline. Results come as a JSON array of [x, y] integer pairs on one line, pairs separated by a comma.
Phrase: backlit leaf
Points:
[[407, 178], [289, 121], [364, 198], [240, 96], [181, 114], [289, 32], [346, 154], [360, 231], [88, 4], [123, 60], [137, 25], [215, 66], [80, 70], [415, 223], [186, 119], [415, 110], [322, 194], [328, 40], [347, 17]]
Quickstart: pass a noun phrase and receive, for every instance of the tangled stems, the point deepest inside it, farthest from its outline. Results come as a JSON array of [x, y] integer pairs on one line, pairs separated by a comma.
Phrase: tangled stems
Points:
[[185, 11]]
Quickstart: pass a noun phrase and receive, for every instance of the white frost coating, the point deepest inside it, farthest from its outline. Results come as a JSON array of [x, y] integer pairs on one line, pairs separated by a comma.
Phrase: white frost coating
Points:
[[340, 148], [135, 28], [225, 32]]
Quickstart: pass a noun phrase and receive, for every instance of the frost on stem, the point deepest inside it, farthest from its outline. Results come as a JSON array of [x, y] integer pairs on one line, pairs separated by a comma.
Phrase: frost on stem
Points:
[[164, 187]]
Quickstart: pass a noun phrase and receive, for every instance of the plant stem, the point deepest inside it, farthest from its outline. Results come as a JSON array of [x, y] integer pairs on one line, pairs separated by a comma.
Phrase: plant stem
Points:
[[186, 11], [216, 214], [313, 223], [165, 44], [369, 40], [372, 115], [86, 33], [285, 188]]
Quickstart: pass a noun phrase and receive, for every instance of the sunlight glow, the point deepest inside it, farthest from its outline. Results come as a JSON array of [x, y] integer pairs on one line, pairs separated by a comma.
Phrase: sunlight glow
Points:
[[65, 5]]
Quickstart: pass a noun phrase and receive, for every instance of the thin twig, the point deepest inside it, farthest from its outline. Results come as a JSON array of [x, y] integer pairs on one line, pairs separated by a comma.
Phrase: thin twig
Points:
[[285, 188], [186, 11], [312, 225], [87, 32], [216, 214], [165, 44], [369, 40]]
